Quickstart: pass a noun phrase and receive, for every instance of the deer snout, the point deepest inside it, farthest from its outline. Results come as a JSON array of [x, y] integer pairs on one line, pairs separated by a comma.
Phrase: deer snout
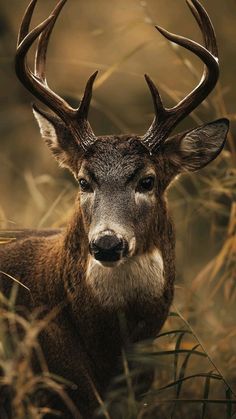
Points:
[[108, 247]]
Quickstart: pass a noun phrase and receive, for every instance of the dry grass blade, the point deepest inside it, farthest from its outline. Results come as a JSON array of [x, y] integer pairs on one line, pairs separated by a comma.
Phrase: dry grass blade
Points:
[[176, 97], [206, 353], [132, 408], [15, 362], [223, 111], [209, 196], [103, 408], [108, 73], [52, 208], [5, 240], [114, 119], [36, 195], [15, 280]]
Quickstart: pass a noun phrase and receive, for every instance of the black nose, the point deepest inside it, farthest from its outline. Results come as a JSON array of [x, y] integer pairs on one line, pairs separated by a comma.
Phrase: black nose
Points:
[[108, 248]]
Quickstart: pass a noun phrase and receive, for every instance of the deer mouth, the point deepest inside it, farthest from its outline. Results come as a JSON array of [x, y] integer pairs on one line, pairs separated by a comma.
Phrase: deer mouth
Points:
[[109, 264], [107, 257]]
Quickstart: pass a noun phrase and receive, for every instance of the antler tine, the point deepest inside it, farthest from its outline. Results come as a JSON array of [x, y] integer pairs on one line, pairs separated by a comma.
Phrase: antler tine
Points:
[[30, 80], [41, 51], [82, 111], [22, 70], [36, 83], [195, 13], [24, 27], [205, 25], [156, 97], [166, 119]]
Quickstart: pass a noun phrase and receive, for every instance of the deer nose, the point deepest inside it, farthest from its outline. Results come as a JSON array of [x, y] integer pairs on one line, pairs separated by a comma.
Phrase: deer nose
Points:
[[108, 247]]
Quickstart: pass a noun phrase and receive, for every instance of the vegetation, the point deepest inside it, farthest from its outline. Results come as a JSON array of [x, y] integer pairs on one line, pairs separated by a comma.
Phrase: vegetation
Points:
[[193, 358]]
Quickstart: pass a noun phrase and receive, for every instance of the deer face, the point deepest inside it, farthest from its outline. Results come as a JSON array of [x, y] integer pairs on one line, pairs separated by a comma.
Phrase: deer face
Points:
[[121, 184], [119, 190], [118, 197], [122, 179]]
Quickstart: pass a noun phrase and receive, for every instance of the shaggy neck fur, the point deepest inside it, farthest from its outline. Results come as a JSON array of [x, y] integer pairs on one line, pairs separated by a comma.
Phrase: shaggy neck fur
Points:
[[140, 287], [139, 277]]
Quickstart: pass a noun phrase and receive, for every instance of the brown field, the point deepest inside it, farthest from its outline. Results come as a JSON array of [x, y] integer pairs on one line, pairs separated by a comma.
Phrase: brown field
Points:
[[195, 361]]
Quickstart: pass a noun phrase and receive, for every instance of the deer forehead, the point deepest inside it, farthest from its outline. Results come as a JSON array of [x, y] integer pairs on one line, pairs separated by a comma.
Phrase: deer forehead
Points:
[[116, 159]]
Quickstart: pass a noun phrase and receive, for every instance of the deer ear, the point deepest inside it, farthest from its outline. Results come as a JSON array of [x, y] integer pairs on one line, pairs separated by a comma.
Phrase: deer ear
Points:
[[196, 148], [58, 138]]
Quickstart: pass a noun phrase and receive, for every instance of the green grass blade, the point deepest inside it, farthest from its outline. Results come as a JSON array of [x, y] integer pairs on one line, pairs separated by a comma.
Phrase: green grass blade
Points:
[[182, 375], [179, 351], [206, 396], [176, 355], [181, 380], [184, 368], [229, 408], [173, 332]]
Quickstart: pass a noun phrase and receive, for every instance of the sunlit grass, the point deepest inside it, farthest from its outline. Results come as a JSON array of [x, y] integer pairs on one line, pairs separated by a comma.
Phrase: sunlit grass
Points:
[[20, 387], [187, 382], [191, 379]]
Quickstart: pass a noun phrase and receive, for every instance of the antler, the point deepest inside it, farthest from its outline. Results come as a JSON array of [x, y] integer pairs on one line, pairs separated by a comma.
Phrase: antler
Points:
[[35, 81], [166, 119]]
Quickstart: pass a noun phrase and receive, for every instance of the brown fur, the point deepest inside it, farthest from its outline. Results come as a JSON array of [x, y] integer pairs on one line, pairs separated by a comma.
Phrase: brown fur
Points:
[[85, 339], [83, 343]]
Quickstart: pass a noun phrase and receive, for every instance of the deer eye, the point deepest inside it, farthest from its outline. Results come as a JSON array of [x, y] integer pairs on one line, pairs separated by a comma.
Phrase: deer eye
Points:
[[85, 185], [146, 184]]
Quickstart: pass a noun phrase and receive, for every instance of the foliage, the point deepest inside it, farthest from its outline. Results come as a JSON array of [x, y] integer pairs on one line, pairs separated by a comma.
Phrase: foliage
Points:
[[193, 358]]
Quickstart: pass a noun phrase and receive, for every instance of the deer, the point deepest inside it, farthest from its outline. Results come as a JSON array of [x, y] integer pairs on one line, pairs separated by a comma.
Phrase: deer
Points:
[[116, 256]]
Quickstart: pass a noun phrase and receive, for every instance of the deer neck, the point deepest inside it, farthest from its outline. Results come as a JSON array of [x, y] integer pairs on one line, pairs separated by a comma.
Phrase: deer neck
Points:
[[95, 291]]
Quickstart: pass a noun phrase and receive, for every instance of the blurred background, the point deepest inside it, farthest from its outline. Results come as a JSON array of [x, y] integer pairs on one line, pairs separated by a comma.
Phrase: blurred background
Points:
[[119, 39]]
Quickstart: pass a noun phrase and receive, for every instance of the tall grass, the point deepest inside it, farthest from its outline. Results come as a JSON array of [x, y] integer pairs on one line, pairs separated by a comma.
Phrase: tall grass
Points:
[[21, 387], [193, 358], [187, 383]]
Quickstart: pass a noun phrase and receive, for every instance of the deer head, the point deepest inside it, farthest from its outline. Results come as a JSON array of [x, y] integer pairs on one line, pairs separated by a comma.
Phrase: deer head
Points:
[[122, 179]]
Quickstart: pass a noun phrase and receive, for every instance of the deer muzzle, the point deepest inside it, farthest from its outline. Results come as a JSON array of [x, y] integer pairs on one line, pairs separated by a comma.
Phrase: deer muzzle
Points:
[[108, 247]]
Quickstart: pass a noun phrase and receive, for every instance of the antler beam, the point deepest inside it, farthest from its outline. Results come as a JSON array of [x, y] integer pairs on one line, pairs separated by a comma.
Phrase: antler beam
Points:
[[36, 82], [167, 118]]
